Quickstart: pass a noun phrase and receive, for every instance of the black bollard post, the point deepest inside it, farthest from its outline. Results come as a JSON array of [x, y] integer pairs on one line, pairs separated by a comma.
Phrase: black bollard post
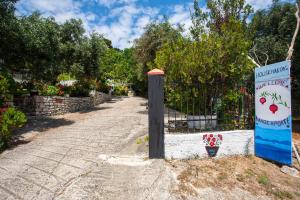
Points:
[[156, 113]]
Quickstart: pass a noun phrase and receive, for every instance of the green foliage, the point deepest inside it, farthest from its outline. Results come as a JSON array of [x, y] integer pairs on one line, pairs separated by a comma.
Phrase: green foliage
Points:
[[46, 90], [264, 180], [118, 66], [65, 77], [156, 35], [50, 90], [4, 85], [211, 66], [121, 90], [45, 49], [81, 88], [281, 194], [7, 83], [10, 119], [272, 31], [104, 87]]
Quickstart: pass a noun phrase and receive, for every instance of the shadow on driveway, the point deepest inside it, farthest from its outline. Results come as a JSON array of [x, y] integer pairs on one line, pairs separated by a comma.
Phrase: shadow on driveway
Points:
[[94, 109]]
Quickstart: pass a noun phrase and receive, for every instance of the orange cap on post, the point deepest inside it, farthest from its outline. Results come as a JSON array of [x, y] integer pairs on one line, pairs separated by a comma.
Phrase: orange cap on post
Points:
[[156, 72]]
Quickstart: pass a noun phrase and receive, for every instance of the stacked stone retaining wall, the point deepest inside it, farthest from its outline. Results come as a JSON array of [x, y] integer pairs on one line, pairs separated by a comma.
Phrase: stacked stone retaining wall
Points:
[[56, 105]]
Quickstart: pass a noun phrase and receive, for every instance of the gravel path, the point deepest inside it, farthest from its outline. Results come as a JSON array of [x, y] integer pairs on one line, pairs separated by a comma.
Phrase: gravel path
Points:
[[90, 157]]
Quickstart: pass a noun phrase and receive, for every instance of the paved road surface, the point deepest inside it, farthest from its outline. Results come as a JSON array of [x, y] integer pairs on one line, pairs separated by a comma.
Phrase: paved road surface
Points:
[[89, 155]]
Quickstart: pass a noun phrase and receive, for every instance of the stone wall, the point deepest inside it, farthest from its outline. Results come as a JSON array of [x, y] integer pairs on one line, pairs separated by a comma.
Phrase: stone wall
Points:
[[185, 146], [56, 105]]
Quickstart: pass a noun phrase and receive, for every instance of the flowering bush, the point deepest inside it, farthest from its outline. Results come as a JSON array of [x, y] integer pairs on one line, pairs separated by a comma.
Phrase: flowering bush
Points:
[[9, 118], [212, 140], [80, 89]]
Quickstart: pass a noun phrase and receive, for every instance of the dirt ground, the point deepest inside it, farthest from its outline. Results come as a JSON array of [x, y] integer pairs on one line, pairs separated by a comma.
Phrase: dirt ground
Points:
[[236, 177], [233, 178]]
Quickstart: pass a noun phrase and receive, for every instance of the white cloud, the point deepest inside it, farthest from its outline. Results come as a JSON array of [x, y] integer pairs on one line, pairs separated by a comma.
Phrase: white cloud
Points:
[[61, 10], [109, 3], [259, 4], [181, 15], [126, 23]]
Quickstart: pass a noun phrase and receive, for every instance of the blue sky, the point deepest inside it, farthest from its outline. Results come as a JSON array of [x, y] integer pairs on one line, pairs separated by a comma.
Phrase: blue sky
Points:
[[121, 21]]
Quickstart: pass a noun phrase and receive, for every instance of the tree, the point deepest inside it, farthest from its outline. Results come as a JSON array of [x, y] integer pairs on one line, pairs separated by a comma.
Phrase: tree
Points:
[[94, 48], [41, 46], [10, 40], [221, 11], [214, 59], [146, 47], [71, 40], [273, 30], [118, 66]]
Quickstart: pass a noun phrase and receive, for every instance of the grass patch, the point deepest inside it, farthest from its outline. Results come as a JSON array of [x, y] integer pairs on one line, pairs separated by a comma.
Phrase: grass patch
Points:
[[297, 194], [263, 180], [142, 140], [139, 141], [249, 173], [146, 138], [283, 194]]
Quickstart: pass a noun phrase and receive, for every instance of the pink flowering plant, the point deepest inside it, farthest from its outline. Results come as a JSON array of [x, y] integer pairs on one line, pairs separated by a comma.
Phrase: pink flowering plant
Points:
[[212, 140]]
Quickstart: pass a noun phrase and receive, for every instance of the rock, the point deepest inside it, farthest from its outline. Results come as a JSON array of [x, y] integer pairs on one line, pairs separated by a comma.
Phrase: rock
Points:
[[289, 170]]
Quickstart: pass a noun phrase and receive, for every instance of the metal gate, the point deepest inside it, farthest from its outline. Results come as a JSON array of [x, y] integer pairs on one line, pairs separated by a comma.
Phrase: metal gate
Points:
[[208, 107]]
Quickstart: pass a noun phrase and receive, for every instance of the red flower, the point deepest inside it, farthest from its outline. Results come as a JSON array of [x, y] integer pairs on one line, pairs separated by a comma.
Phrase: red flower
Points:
[[220, 137], [212, 144], [213, 139], [211, 135], [3, 110]]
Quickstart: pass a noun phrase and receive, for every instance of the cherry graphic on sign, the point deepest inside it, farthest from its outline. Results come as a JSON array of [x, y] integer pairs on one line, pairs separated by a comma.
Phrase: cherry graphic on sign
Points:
[[262, 100], [273, 108]]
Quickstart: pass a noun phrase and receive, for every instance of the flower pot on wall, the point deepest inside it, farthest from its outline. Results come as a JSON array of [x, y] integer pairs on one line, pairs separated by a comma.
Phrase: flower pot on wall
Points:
[[211, 151], [212, 143]]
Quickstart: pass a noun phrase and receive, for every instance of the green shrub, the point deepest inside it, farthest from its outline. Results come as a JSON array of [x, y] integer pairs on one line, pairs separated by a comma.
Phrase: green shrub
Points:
[[3, 85], [264, 180], [121, 90], [7, 83], [65, 77], [64, 89], [80, 89], [52, 90], [104, 88], [7, 87], [9, 118], [49, 90]]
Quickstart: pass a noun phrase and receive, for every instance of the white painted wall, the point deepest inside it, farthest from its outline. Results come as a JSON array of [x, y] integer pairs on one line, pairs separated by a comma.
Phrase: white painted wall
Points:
[[184, 146]]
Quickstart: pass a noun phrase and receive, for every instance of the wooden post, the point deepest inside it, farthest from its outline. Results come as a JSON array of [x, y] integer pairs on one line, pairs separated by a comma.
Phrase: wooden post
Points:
[[156, 113]]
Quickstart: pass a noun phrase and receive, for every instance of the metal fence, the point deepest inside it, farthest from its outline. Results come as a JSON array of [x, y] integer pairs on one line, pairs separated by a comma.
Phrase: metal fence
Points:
[[208, 107]]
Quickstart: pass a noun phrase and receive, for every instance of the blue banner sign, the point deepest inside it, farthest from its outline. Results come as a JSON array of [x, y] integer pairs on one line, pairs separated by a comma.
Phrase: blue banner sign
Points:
[[273, 118]]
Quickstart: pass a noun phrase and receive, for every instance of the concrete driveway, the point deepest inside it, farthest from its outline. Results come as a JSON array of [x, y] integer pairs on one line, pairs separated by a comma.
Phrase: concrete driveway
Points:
[[89, 155]]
